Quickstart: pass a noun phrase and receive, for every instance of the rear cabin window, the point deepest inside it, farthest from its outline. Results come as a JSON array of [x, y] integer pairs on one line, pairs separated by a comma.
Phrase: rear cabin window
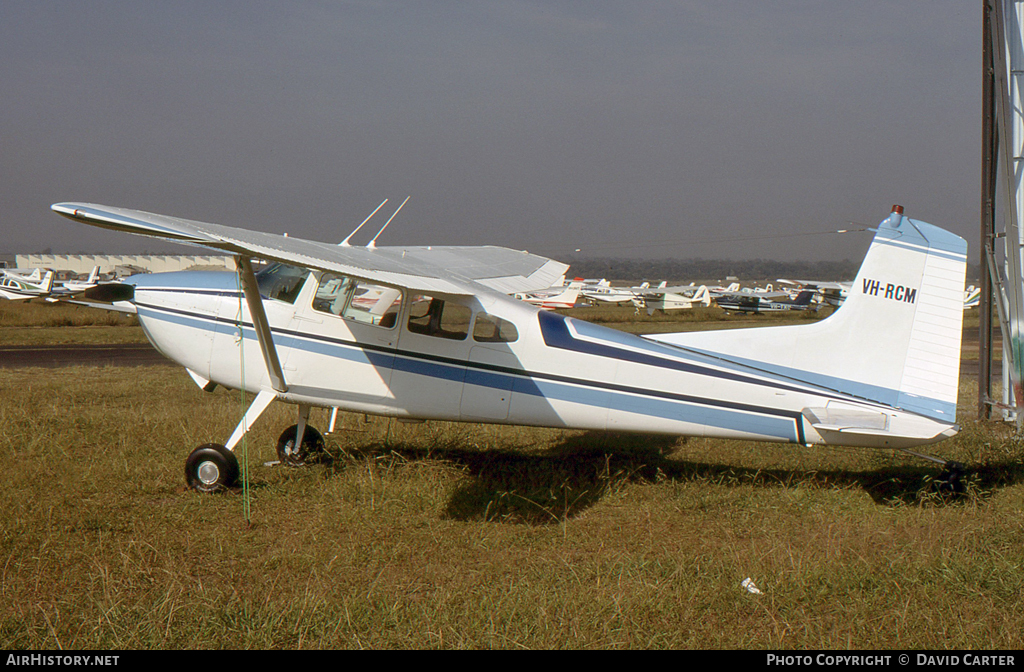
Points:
[[492, 329], [431, 316], [358, 300], [281, 282]]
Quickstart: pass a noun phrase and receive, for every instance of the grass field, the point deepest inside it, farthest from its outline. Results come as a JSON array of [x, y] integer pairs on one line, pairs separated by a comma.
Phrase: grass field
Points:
[[474, 536]]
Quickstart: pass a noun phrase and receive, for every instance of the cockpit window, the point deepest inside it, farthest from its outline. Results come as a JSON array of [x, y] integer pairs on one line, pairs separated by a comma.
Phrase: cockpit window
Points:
[[493, 329], [281, 282], [435, 317], [358, 300]]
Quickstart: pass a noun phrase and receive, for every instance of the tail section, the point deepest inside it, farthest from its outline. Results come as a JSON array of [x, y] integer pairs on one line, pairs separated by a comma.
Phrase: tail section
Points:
[[703, 296], [895, 340], [803, 298], [47, 286]]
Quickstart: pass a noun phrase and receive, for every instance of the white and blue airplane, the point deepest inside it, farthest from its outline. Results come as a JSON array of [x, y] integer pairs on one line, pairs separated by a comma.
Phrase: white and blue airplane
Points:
[[432, 333]]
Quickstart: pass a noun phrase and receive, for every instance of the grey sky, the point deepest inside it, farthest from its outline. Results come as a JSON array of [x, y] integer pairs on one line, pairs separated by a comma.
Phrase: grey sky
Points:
[[663, 129]]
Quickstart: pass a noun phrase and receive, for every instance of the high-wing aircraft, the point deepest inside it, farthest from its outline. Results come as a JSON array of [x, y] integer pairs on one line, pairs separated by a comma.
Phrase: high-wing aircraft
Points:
[[755, 303], [832, 293], [665, 298], [604, 292], [436, 336], [18, 287], [560, 297]]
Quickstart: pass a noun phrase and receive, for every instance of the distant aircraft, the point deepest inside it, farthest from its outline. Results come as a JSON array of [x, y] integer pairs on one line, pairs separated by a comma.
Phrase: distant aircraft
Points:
[[832, 293], [18, 287], [665, 298], [560, 297], [753, 303], [444, 341], [82, 285], [972, 297], [604, 292]]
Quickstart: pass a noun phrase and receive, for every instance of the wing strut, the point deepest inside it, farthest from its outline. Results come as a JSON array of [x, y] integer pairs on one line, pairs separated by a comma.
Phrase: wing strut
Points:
[[251, 291]]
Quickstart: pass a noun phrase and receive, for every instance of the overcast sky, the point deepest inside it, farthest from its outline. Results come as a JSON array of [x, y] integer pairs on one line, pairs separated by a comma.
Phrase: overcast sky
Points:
[[664, 129]]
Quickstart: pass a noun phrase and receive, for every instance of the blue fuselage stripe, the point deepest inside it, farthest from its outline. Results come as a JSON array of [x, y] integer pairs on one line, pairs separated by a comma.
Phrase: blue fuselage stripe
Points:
[[786, 425]]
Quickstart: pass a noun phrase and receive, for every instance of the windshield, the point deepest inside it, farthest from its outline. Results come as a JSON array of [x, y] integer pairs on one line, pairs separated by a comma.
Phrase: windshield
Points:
[[281, 282]]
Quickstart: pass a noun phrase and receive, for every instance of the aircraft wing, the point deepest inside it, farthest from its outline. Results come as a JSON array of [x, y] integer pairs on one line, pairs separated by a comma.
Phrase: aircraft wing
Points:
[[442, 269]]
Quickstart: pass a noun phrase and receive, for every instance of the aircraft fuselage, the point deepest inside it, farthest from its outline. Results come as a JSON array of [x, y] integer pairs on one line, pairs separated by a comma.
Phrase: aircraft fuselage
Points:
[[485, 358]]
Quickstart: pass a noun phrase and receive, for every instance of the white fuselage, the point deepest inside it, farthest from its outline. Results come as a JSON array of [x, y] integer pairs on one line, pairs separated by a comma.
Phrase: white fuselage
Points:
[[555, 372]]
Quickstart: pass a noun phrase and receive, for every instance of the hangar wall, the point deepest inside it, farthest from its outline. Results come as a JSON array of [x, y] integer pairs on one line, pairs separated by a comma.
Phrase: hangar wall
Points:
[[155, 263]]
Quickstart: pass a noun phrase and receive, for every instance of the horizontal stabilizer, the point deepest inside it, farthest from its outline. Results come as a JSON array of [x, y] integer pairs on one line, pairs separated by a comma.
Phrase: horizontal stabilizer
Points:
[[848, 426]]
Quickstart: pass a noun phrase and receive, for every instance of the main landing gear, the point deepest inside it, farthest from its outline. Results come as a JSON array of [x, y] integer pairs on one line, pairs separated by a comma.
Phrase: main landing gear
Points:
[[310, 451], [213, 467]]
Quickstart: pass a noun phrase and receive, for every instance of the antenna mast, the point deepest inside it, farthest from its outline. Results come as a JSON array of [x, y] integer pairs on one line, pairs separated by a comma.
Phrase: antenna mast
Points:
[[344, 243], [372, 243]]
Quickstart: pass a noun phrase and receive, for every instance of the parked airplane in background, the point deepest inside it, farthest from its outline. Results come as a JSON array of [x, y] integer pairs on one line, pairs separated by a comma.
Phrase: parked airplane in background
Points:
[[557, 297], [972, 297], [19, 287], [665, 298], [82, 285], [443, 340], [832, 293], [773, 303], [604, 292]]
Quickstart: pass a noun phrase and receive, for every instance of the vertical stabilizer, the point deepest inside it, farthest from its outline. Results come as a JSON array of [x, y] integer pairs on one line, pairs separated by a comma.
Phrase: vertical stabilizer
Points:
[[895, 340]]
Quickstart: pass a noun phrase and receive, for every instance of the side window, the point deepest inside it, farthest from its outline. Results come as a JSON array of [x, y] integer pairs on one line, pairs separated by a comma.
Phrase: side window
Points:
[[281, 282], [492, 329], [435, 317], [357, 300]]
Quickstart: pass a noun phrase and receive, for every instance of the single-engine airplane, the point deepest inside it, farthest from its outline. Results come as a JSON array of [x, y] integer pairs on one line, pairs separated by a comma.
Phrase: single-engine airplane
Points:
[[18, 287], [431, 333], [564, 296], [754, 303]]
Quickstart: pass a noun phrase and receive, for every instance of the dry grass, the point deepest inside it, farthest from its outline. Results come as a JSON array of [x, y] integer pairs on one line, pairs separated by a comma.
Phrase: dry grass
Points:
[[475, 536], [38, 322]]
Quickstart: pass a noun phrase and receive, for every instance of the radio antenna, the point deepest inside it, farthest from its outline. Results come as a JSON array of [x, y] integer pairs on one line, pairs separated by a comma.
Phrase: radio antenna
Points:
[[344, 243], [372, 243]]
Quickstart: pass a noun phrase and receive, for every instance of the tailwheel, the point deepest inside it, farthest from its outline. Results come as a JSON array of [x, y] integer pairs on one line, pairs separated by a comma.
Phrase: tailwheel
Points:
[[951, 480], [311, 451], [211, 467]]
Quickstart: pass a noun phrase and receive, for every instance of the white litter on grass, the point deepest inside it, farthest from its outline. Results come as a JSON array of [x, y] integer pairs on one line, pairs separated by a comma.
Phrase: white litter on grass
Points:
[[748, 583]]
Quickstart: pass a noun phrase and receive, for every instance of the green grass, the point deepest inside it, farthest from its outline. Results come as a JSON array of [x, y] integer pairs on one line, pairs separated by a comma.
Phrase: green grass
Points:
[[474, 536]]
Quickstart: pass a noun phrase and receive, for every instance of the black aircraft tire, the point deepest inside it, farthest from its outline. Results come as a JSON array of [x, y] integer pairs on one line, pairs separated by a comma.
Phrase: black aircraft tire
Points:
[[210, 468], [951, 480], [312, 449]]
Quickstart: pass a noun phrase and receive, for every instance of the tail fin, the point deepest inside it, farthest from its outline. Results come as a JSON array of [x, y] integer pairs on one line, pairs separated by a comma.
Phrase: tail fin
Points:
[[803, 298], [895, 340], [703, 296], [47, 285]]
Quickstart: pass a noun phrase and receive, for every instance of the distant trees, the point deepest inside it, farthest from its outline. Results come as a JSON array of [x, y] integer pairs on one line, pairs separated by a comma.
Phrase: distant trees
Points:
[[695, 270]]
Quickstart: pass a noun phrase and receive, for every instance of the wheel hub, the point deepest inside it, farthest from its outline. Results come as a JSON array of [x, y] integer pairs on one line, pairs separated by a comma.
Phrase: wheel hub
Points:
[[208, 473]]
